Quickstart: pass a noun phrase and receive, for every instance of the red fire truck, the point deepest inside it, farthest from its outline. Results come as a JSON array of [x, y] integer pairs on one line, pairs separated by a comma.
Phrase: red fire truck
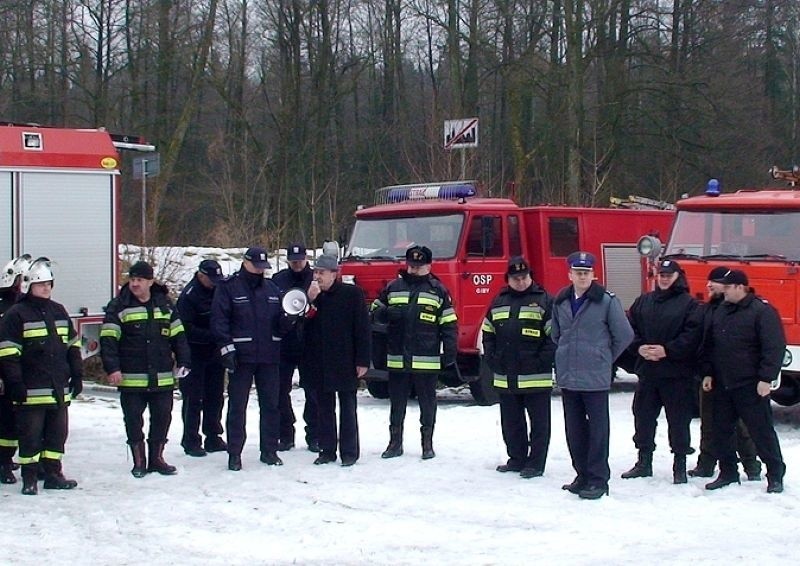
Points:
[[472, 239], [59, 191], [757, 231]]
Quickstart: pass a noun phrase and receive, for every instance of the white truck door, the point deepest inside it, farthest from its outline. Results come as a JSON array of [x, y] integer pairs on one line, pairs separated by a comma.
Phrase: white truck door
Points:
[[6, 219]]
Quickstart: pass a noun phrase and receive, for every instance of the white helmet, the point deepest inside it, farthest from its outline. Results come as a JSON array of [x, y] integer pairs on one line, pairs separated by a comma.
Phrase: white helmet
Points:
[[38, 272], [14, 268]]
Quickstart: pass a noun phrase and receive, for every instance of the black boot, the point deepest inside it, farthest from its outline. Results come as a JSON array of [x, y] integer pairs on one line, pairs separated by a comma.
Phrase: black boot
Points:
[[54, 478], [726, 476], [705, 466], [427, 442], [679, 469], [752, 467], [643, 468], [395, 447], [7, 473], [139, 469], [29, 478], [156, 459], [234, 462]]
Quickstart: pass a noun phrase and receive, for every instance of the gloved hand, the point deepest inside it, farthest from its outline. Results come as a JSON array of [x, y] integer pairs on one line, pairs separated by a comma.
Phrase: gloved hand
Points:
[[16, 391], [229, 361], [75, 386]]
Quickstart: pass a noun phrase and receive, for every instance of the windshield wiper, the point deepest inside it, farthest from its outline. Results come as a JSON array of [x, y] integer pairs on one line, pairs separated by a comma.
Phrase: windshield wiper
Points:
[[680, 255], [777, 257], [722, 256]]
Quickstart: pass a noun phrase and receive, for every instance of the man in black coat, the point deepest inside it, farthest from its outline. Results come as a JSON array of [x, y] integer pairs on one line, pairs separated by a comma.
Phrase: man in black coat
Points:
[[297, 276], [668, 328], [743, 354], [203, 388], [337, 353]]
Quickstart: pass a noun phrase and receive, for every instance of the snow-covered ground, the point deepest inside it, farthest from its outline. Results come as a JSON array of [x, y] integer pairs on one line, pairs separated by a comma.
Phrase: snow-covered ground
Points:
[[454, 509]]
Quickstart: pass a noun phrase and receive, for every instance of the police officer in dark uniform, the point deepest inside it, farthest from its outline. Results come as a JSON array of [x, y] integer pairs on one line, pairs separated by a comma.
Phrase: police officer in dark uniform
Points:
[[144, 351], [248, 323], [10, 280], [41, 360], [668, 328], [519, 351], [421, 322], [297, 276], [743, 353], [203, 388]]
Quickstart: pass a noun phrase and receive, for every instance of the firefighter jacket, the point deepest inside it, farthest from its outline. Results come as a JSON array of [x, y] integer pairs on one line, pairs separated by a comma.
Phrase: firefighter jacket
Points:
[[247, 318], [516, 340], [139, 339], [421, 324], [588, 342], [744, 344], [194, 308], [40, 349], [670, 318], [286, 279]]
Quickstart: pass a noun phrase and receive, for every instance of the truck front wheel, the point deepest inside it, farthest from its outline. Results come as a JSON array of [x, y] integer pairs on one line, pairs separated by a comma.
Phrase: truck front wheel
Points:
[[483, 390], [788, 393]]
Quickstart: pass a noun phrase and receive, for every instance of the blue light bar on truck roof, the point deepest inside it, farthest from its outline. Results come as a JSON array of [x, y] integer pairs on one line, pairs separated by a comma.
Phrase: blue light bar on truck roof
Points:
[[429, 191]]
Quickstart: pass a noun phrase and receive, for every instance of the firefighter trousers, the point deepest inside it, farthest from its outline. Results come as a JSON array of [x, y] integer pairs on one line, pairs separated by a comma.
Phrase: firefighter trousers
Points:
[[43, 432], [524, 450], [675, 396], [9, 436], [400, 389], [133, 405]]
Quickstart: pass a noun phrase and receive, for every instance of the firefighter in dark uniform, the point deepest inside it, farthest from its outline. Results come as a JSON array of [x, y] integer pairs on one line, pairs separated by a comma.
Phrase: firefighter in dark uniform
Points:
[[248, 323], [202, 390], [745, 448], [41, 359], [743, 353], [421, 324], [518, 349], [140, 335], [297, 276], [668, 328], [10, 280]]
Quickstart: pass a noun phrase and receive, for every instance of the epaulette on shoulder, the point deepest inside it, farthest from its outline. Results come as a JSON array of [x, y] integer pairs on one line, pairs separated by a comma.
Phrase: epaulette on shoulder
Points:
[[610, 293]]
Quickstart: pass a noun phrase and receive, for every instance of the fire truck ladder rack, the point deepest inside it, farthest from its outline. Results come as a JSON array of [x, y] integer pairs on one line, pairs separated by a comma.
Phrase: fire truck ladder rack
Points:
[[641, 203], [791, 175]]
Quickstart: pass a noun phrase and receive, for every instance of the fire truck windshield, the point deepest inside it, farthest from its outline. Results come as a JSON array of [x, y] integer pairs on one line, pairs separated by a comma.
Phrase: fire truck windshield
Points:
[[766, 236], [389, 238]]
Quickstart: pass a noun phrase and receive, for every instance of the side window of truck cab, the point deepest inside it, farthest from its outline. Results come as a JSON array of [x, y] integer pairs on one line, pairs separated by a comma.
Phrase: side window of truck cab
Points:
[[485, 238]]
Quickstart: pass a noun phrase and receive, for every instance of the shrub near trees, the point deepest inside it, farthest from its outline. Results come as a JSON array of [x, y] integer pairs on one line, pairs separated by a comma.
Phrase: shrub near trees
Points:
[[276, 118]]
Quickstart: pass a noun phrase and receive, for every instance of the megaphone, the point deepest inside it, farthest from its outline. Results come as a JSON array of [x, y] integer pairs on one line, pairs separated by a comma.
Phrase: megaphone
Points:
[[295, 302]]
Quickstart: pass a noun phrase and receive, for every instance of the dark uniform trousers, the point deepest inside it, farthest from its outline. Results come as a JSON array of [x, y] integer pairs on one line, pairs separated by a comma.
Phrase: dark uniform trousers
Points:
[[133, 406], [513, 407], [348, 423], [756, 412], [267, 387], [9, 437], [202, 392], [400, 389], [587, 429], [741, 438], [675, 395], [288, 419], [42, 429]]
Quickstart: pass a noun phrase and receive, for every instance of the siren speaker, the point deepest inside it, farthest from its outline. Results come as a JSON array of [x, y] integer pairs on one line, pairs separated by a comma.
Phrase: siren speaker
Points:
[[295, 302]]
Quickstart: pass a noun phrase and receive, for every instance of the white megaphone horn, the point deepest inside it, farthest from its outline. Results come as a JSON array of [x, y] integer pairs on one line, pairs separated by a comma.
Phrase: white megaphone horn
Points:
[[295, 302]]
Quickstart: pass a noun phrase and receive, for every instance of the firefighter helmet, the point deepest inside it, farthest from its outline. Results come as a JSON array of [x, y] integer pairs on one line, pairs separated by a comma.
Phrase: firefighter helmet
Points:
[[39, 271], [14, 268]]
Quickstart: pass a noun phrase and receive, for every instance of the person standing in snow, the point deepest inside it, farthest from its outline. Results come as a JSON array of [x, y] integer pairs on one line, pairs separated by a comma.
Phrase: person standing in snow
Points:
[[590, 331], [336, 340], [41, 361], [144, 350], [202, 390], [297, 276], [518, 349]]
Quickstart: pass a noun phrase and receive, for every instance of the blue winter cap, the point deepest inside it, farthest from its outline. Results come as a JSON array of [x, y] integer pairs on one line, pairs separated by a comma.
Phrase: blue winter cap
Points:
[[580, 260]]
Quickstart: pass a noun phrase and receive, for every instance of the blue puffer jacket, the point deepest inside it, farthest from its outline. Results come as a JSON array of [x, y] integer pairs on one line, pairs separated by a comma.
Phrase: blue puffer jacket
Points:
[[588, 343], [246, 315]]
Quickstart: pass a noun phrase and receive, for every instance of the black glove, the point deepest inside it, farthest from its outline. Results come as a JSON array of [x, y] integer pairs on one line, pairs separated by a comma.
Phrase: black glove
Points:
[[16, 391], [75, 386], [229, 361]]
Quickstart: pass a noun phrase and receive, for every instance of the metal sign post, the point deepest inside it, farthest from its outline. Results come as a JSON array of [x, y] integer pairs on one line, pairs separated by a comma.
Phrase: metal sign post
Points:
[[144, 167]]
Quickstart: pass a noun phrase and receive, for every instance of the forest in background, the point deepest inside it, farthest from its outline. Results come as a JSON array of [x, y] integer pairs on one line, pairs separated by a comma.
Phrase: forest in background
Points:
[[275, 119]]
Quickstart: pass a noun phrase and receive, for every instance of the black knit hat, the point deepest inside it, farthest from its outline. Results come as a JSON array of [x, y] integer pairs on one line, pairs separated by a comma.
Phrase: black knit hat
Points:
[[140, 269]]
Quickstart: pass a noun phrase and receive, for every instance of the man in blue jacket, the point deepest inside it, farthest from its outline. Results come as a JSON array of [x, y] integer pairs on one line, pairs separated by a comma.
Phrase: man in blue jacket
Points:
[[590, 331], [248, 323]]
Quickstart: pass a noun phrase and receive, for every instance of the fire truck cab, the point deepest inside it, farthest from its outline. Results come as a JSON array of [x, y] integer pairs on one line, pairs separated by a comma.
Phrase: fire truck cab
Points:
[[757, 231], [59, 191], [472, 239]]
